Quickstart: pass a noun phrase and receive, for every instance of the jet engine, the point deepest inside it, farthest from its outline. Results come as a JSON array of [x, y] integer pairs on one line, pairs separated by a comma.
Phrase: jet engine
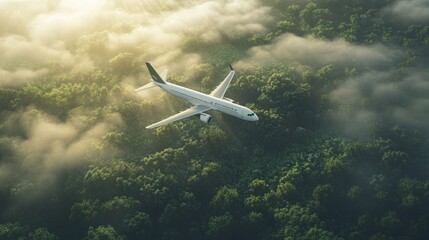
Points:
[[205, 118]]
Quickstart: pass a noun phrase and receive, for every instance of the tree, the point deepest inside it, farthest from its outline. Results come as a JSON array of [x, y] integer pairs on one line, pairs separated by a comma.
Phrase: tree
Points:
[[42, 234], [220, 227], [11, 231], [139, 225], [323, 199], [123, 63], [258, 187], [226, 199], [103, 233]]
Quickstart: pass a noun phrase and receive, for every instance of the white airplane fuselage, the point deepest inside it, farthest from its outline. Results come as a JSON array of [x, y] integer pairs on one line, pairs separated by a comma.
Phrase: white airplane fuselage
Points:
[[219, 104]]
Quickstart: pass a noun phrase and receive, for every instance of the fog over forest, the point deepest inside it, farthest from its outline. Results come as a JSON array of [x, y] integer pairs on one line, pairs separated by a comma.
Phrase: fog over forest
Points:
[[340, 151]]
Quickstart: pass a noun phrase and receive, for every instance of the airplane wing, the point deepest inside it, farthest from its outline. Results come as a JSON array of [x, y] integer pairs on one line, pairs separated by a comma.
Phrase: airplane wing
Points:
[[221, 89], [187, 113]]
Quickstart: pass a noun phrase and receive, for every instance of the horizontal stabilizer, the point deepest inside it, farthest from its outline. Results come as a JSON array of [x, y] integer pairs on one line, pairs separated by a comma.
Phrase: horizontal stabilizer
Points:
[[147, 86]]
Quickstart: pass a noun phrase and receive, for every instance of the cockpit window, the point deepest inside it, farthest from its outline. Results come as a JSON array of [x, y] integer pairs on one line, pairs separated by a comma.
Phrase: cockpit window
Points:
[[250, 114]]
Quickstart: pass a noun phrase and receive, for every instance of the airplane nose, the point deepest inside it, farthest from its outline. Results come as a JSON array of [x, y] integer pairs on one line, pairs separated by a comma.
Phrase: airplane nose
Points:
[[256, 118]]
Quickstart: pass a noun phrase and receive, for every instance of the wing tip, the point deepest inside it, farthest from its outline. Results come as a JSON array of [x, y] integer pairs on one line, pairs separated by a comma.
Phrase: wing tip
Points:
[[230, 66]]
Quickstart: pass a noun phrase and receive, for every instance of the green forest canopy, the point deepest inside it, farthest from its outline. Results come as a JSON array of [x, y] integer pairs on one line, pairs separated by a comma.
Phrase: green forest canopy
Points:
[[340, 150]]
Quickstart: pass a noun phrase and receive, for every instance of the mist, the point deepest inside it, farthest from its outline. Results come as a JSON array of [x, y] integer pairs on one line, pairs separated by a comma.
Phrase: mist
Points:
[[341, 92], [82, 36], [79, 38], [290, 49], [44, 146], [378, 93], [410, 11], [381, 97]]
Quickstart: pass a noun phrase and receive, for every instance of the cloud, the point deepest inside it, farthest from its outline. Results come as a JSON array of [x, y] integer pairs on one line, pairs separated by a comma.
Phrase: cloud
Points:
[[377, 94], [16, 77], [74, 36], [410, 11], [382, 97], [290, 49], [163, 39], [219, 19], [15, 49], [43, 146], [57, 31], [16, 15]]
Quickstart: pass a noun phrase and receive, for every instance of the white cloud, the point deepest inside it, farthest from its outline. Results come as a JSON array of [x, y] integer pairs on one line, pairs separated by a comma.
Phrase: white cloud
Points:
[[17, 49], [45, 146], [409, 11], [213, 20], [378, 94], [45, 30], [16, 77], [290, 49], [382, 97]]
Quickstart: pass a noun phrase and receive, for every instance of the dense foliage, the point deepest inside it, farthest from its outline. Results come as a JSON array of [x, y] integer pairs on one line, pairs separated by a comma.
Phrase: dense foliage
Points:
[[294, 174]]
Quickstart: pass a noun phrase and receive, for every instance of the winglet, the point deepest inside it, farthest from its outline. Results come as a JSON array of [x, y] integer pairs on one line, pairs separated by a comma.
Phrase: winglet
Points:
[[230, 66], [154, 74]]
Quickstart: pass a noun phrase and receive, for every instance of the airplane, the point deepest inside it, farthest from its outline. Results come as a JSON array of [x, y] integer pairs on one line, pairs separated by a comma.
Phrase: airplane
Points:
[[201, 102]]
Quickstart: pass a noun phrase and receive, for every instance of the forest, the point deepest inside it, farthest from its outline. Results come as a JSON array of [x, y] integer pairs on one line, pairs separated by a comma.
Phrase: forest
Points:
[[340, 151]]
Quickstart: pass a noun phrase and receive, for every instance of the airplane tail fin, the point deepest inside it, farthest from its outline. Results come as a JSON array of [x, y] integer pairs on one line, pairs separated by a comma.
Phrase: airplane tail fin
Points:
[[155, 78], [154, 74]]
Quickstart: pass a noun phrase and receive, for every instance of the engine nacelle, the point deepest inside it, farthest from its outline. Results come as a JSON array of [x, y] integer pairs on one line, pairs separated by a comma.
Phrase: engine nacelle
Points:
[[206, 118], [228, 99]]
